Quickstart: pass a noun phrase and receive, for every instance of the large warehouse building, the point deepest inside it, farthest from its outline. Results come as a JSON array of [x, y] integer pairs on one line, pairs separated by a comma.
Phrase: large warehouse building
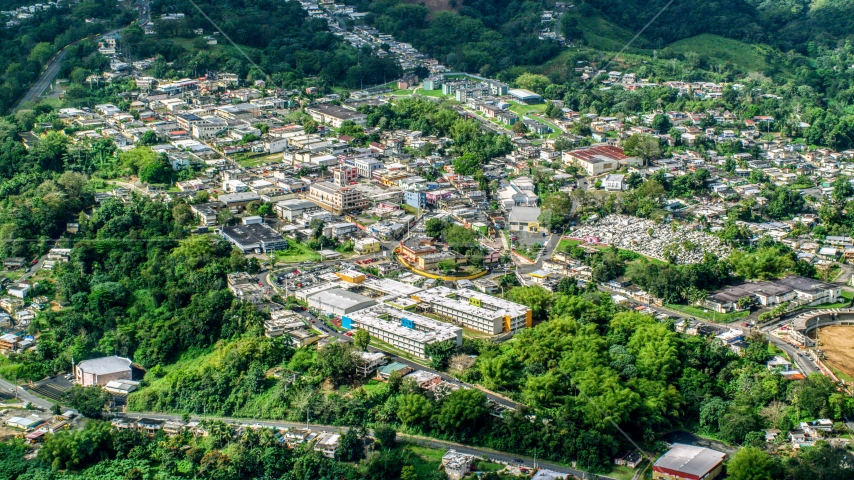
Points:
[[688, 462], [339, 302]]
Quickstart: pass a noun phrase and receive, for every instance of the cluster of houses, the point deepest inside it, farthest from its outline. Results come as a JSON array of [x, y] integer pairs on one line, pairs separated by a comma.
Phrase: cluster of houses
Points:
[[25, 12]]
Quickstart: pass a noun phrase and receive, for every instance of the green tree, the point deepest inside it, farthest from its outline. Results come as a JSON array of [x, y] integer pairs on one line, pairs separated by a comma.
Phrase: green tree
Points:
[[537, 298], [462, 410], [467, 164], [412, 409], [447, 266], [362, 339], [555, 211], [533, 82], [519, 128], [646, 147], [148, 138], [661, 123], [751, 463], [89, 401], [440, 353], [385, 435], [351, 448]]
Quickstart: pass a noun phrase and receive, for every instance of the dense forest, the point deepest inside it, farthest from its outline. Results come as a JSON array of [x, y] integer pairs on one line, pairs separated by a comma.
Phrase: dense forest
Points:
[[482, 36], [787, 24], [26, 48], [279, 37]]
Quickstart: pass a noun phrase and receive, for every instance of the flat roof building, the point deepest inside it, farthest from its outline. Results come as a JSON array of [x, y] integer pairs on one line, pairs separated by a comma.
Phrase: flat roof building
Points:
[[403, 330], [258, 237], [526, 96], [688, 462], [295, 208], [477, 310], [339, 302], [337, 200]]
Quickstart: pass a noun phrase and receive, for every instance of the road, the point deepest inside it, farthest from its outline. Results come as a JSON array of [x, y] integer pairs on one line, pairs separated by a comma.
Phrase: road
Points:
[[52, 68], [25, 396], [802, 361], [480, 452]]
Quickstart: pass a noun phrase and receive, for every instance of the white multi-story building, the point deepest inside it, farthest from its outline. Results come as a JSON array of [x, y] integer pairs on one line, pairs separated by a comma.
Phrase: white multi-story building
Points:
[[401, 329], [476, 310]]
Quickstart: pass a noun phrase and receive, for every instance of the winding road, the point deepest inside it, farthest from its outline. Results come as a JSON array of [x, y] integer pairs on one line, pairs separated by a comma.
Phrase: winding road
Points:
[[527, 462], [53, 66]]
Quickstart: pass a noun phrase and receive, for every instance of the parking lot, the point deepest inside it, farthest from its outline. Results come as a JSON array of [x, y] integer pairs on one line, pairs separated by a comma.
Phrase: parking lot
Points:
[[53, 388]]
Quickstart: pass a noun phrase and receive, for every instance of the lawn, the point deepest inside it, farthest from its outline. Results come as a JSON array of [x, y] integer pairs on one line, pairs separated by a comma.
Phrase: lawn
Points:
[[564, 245], [374, 386], [622, 473], [296, 252], [425, 460], [723, 50], [432, 93], [708, 314], [249, 161]]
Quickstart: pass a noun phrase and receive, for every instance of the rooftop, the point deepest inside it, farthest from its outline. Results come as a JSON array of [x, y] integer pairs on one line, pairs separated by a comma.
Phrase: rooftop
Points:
[[105, 365], [689, 459]]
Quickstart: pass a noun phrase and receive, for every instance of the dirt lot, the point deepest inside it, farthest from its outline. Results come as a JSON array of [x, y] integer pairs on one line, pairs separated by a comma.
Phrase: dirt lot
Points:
[[838, 344]]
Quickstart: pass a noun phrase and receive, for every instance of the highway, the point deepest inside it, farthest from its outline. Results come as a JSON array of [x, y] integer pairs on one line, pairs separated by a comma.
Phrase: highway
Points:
[[53, 66], [441, 444]]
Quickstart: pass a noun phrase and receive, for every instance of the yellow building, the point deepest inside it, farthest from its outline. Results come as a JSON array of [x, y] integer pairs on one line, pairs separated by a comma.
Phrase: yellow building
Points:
[[365, 246], [351, 276], [524, 219]]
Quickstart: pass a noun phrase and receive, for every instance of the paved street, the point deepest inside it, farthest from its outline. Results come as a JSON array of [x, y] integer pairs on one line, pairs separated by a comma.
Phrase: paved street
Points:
[[485, 453], [52, 68], [24, 395]]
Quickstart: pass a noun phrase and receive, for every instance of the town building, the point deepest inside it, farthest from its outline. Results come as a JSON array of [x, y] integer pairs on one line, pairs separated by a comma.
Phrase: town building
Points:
[[327, 444], [599, 159], [364, 246], [457, 465], [401, 329], [337, 301], [335, 115], [291, 210], [476, 310], [337, 199], [258, 238], [100, 371], [524, 219], [688, 462]]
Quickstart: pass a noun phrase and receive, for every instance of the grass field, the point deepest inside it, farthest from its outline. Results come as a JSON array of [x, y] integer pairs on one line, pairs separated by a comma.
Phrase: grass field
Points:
[[296, 252], [601, 34], [249, 161], [721, 50], [708, 314], [432, 93], [425, 460]]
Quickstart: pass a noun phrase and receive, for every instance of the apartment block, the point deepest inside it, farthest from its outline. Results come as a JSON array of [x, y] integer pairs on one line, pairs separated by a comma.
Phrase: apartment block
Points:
[[338, 200], [476, 310], [404, 330]]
